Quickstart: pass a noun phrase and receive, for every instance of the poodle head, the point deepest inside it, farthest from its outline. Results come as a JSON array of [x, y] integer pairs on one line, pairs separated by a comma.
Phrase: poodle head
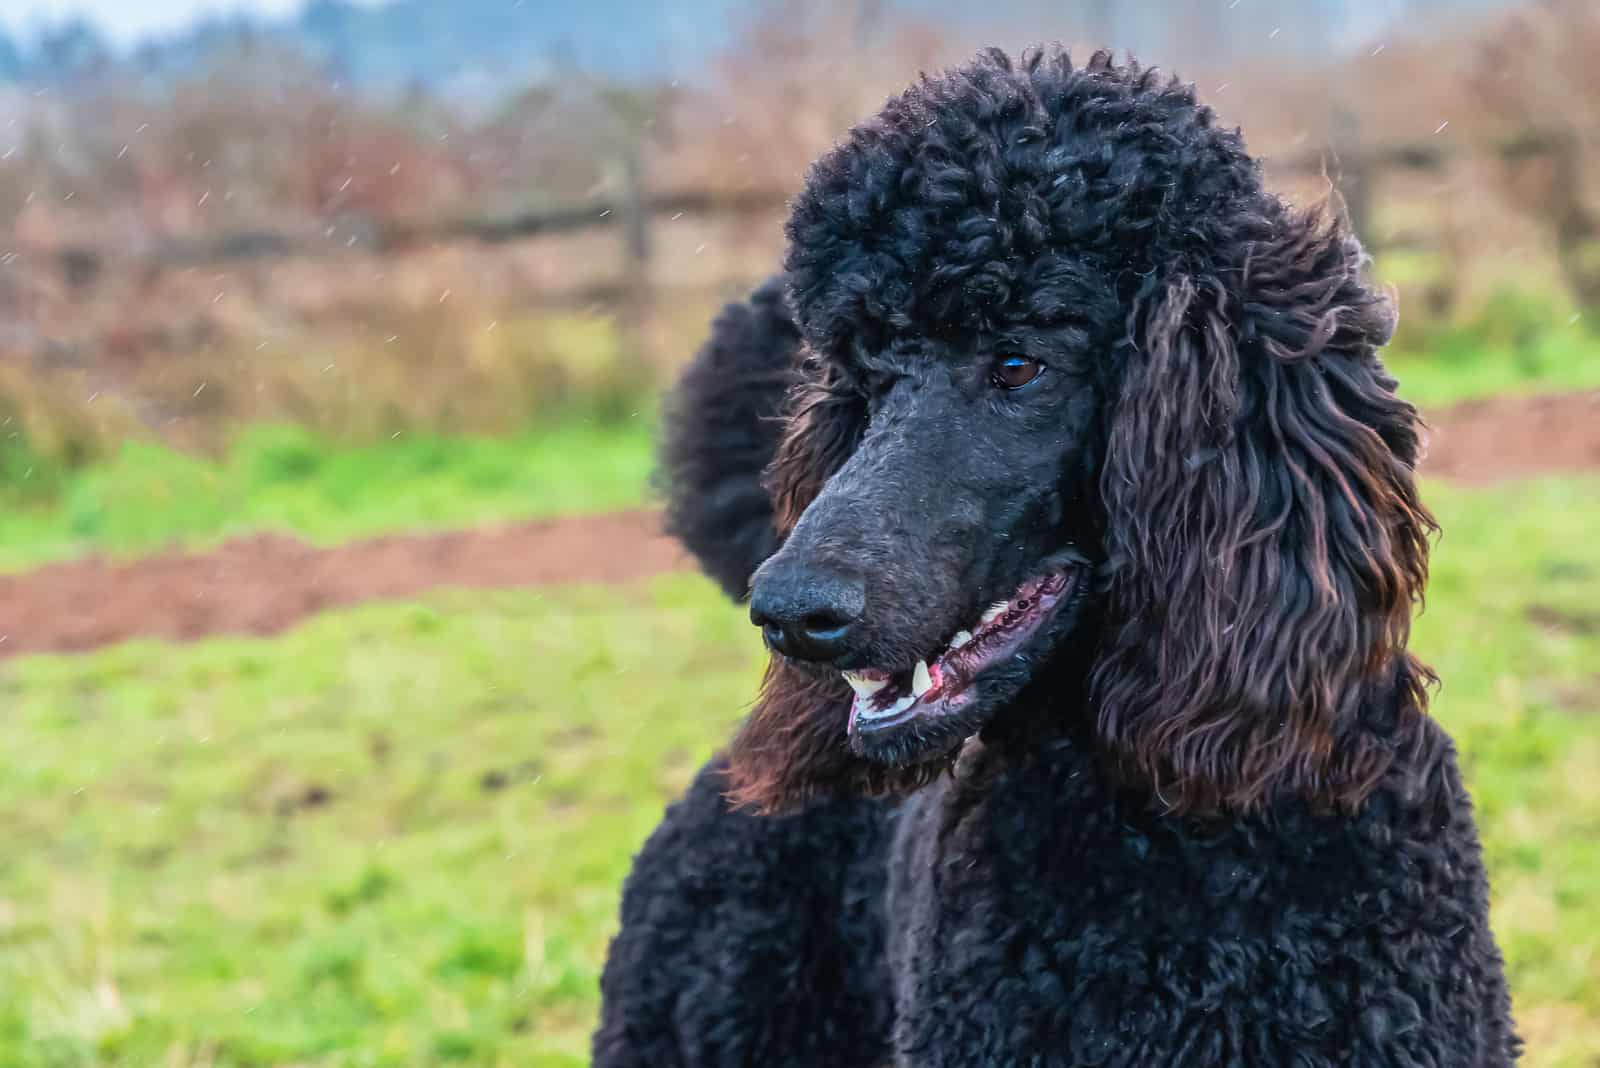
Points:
[[1085, 414]]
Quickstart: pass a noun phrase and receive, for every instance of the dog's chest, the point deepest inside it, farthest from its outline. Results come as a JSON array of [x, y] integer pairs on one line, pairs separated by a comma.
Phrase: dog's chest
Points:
[[1037, 921]]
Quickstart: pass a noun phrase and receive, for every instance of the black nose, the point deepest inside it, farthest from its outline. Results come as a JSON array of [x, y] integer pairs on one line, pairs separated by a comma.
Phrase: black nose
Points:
[[806, 613]]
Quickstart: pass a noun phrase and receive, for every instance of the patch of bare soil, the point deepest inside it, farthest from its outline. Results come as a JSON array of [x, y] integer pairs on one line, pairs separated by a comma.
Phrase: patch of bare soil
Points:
[[1502, 438], [263, 584]]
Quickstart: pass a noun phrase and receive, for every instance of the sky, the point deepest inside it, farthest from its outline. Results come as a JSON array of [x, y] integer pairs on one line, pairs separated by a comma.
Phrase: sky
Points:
[[128, 20]]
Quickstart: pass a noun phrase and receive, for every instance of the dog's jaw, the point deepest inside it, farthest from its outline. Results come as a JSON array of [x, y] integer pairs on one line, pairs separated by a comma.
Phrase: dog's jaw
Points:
[[921, 714]]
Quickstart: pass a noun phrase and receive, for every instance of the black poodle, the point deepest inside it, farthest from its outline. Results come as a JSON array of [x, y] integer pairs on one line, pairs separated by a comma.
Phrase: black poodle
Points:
[[1080, 516]]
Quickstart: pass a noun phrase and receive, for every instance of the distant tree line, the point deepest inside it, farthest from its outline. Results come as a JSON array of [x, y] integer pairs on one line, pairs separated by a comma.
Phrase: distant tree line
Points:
[[478, 47]]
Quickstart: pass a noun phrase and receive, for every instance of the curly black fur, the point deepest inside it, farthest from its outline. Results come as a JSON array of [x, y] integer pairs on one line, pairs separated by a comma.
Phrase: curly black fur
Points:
[[722, 430], [1203, 819]]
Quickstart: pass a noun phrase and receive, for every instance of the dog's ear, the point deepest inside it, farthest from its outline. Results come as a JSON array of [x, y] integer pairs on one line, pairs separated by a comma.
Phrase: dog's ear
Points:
[[721, 427], [1265, 542]]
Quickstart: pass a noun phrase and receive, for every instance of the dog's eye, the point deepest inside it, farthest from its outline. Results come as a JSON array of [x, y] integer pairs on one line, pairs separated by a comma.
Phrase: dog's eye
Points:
[[1014, 372]]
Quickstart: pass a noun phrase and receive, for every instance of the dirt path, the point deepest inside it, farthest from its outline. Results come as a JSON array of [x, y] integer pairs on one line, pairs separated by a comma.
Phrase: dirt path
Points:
[[1502, 438], [263, 584]]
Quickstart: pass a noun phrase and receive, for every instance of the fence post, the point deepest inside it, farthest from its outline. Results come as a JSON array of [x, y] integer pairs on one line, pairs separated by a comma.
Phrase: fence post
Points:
[[634, 112], [636, 297], [635, 207]]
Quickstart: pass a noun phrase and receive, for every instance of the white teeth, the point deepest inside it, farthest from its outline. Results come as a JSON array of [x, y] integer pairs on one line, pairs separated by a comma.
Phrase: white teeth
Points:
[[962, 637], [863, 686], [994, 612], [921, 680]]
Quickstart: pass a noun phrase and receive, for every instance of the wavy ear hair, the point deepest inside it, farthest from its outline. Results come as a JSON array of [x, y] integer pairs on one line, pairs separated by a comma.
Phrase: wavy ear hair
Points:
[[1265, 542]]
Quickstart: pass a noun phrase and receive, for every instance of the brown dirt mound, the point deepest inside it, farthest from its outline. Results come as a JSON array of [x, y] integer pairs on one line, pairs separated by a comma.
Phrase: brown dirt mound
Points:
[[263, 584]]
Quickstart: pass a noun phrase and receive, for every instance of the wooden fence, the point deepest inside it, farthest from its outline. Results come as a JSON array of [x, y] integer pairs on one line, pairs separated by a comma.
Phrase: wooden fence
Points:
[[1356, 171]]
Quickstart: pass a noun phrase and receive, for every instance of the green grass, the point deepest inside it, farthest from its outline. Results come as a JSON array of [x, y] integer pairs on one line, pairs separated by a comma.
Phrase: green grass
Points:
[[392, 836], [282, 478], [1512, 345], [1513, 628], [289, 480], [1559, 362], [395, 835]]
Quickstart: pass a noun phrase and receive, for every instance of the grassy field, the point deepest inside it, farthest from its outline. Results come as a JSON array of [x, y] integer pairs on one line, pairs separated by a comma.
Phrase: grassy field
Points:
[[290, 480], [286, 479], [395, 835], [1515, 355]]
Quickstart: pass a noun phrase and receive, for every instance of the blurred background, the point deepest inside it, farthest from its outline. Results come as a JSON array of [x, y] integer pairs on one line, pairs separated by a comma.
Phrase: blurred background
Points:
[[342, 667]]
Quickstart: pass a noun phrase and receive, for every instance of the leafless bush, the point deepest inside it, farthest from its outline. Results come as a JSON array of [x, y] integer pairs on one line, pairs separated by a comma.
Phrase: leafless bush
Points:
[[1537, 79], [264, 141]]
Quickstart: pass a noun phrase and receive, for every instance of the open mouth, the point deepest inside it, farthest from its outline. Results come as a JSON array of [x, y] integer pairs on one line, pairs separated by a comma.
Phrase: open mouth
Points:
[[942, 685]]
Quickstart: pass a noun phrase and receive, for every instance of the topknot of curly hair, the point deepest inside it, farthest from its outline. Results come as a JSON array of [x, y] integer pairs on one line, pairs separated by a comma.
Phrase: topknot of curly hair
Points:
[[945, 207]]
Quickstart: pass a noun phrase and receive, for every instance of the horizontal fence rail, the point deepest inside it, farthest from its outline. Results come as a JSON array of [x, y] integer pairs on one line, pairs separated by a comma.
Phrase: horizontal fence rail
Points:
[[1355, 170]]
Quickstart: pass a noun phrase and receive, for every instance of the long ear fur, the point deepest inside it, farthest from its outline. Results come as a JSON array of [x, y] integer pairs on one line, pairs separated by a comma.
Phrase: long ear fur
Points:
[[721, 427], [1265, 542], [823, 420]]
